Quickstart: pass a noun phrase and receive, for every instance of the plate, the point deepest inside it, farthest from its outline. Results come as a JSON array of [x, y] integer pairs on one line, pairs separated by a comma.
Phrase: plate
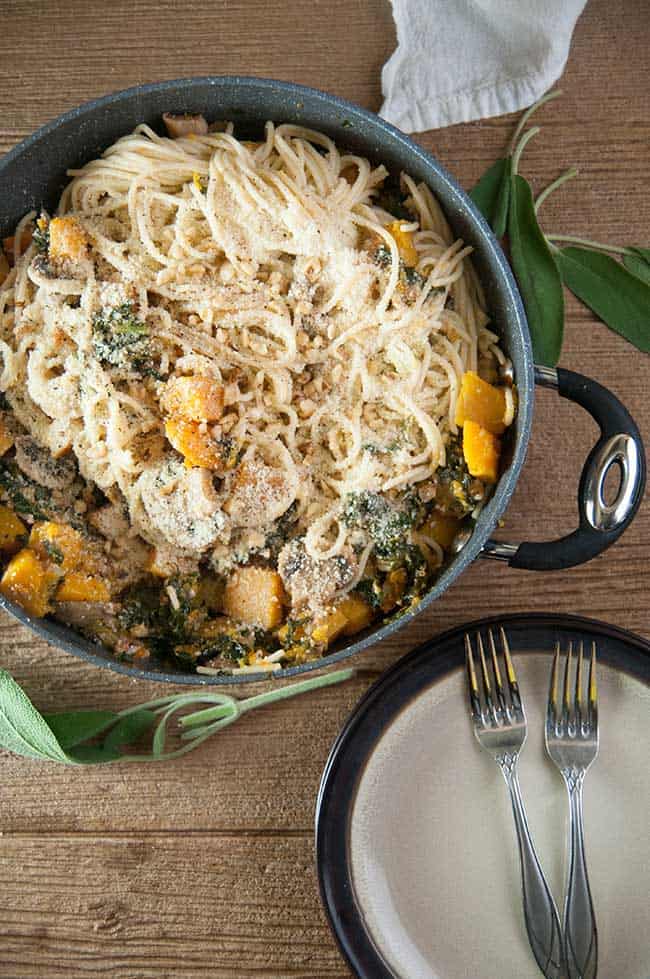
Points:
[[416, 846]]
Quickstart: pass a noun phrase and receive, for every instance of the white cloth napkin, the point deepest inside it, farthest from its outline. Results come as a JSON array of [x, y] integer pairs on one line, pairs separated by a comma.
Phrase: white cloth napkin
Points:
[[458, 60]]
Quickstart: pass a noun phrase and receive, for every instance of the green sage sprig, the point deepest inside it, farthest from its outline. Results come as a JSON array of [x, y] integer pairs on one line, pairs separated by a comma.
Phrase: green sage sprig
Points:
[[637, 261], [617, 292], [492, 195], [61, 737], [537, 275]]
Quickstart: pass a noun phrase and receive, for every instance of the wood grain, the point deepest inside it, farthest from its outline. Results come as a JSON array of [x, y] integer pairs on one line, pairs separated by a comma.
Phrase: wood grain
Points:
[[205, 864], [132, 906]]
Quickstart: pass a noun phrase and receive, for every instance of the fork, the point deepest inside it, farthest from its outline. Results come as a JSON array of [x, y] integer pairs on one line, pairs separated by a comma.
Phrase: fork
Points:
[[500, 728], [572, 743]]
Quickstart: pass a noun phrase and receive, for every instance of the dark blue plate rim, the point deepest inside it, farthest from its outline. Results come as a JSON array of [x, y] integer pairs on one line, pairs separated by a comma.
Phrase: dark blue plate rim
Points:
[[425, 665]]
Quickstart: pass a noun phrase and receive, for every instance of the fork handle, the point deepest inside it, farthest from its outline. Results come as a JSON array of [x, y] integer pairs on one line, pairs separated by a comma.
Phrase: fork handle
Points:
[[580, 933], [540, 913]]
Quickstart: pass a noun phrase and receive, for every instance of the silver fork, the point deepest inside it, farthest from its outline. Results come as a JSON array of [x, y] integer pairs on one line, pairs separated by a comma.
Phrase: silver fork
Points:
[[572, 743], [500, 728]]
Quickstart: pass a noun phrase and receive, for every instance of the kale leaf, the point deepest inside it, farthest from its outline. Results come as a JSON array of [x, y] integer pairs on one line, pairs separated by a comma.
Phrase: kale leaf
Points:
[[122, 340], [386, 523]]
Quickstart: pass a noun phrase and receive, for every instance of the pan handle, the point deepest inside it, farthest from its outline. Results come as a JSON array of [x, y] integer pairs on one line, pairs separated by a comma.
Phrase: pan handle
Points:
[[600, 523]]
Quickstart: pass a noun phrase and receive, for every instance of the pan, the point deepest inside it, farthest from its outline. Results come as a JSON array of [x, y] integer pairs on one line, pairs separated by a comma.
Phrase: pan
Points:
[[33, 175]]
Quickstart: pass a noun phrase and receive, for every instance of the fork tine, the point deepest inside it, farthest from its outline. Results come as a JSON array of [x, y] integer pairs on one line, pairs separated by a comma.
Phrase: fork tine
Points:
[[487, 686], [593, 690], [498, 682], [513, 686], [552, 710], [474, 695], [567, 681], [579, 698]]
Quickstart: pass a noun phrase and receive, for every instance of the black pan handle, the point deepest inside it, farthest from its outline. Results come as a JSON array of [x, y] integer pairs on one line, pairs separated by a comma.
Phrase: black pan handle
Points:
[[600, 523]]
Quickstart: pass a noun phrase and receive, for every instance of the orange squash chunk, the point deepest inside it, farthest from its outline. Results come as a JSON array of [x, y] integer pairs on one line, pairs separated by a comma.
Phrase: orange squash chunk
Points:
[[404, 241], [198, 448], [58, 543], [357, 612], [255, 596], [481, 449], [330, 626], [77, 587], [28, 582], [67, 239], [197, 398], [482, 403]]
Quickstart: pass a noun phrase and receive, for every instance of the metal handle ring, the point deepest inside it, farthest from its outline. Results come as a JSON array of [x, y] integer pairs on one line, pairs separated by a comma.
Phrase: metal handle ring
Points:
[[622, 451]]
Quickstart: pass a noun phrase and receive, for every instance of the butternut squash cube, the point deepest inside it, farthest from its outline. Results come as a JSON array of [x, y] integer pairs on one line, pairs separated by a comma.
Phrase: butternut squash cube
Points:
[[13, 532], [198, 448], [255, 596], [67, 239], [482, 403], [404, 241], [77, 587], [358, 613], [481, 450], [443, 527], [329, 627], [196, 398], [28, 582], [58, 543]]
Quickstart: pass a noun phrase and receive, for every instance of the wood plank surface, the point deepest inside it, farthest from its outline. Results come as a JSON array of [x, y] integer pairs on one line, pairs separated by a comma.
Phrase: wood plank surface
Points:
[[205, 865], [131, 906]]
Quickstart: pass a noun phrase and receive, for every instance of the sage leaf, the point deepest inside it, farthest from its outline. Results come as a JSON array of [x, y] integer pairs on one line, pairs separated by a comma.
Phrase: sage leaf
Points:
[[638, 263], [72, 727], [492, 195], [26, 732], [129, 728], [22, 729], [537, 275], [95, 754], [637, 267], [616, 295]]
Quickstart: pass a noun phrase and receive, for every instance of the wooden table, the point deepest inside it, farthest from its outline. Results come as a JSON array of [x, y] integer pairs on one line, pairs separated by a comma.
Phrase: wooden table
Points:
[[205, 866]]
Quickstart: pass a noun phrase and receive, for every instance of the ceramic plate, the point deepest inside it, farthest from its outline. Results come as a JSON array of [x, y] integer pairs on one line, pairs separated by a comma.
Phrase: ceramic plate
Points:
[[415, 839]]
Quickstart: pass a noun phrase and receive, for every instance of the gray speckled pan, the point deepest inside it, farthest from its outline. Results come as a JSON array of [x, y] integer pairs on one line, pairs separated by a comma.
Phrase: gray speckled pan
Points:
[[33, 174]]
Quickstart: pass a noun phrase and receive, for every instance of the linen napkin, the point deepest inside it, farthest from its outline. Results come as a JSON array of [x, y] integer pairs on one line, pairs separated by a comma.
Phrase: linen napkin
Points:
[[458, 60]]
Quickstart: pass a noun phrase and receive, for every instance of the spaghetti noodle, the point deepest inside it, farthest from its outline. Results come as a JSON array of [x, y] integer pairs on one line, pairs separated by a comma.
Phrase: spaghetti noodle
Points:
[[256, 355]]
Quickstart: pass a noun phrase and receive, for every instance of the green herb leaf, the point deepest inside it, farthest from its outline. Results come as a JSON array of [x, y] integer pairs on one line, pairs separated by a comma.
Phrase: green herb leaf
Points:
[[22, 729], [26, 732], [492, 195], [637, 266], [537, 275], [129, 728], [638, 262], [618, 297], [94, 754], [72, 727]]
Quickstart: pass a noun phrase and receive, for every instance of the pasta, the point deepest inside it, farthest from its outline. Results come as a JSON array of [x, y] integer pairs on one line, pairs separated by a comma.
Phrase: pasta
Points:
[[254, 354]]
